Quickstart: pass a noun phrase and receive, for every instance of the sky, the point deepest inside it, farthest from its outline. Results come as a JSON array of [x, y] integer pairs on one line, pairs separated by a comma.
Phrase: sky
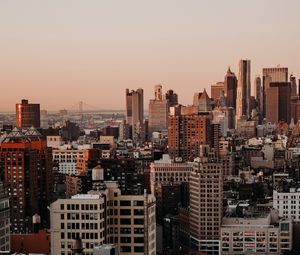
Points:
[[60, 52]]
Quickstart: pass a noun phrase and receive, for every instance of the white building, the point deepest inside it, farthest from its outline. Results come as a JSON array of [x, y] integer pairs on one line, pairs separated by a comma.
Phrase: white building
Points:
[[288, 203], [54, 141], [260, 235], [126, 221], [67, 159]]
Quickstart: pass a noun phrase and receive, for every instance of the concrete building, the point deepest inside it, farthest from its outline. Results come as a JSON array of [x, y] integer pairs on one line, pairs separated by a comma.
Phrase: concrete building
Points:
[[67, 160], [287, 203], [82, 216], [186, 133], [27, 115], [278, 102], [206, 205], [135, 113], [104, 216], [27, 171], [259, 235], [4, 219], [158, 112], [258, 93], [167, 170], [106, 249], [274, 74], [243, 90], [54, 141]]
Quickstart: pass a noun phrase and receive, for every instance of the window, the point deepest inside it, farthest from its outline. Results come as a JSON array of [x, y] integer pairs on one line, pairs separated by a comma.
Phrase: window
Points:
[[138, 221], [139, 240], [125, 212], [125, 221], [125, 203]]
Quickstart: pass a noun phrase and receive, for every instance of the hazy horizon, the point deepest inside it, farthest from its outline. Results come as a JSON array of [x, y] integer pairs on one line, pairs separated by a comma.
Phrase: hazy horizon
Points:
[[58, 53]]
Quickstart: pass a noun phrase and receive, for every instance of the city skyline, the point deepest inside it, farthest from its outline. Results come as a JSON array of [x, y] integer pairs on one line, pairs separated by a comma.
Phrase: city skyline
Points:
[[63, 59]]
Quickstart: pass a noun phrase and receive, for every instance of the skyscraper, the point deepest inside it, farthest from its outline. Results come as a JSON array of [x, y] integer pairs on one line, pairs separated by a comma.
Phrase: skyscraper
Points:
[[243, 90], [258, 93], [206, 204], [27, 115], [273, 74], [278, 98], [135, 113], [20, 178], [158, 111], [294, 99], [27, 168], [230, 88]]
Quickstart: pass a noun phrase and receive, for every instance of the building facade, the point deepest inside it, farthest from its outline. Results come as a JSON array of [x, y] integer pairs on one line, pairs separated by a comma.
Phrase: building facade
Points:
[[186, 133], [273, 74], [135, 113], [27, 115], [243, 90], [278, 102], [105, 217], [4, 219], [206, 205], [158, 111], [230, 88], [257, 235]]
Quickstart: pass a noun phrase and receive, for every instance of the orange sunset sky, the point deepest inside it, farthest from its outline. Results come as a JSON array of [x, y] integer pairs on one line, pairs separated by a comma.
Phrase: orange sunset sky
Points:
[[60, 52]]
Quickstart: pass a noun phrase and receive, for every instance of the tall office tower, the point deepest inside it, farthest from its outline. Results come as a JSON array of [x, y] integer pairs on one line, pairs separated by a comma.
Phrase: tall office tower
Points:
[[204, 103], [216, 90], [294, 99], [186, 133], [44, 172], [4, 219], [20, 167], [230, 88], [206, 204], [158, 111], [278, 98], [274, 74], [258, 93], [27, 115], [171, 97], [27, 168], [243, 90], [105, 216], [135, 113]]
